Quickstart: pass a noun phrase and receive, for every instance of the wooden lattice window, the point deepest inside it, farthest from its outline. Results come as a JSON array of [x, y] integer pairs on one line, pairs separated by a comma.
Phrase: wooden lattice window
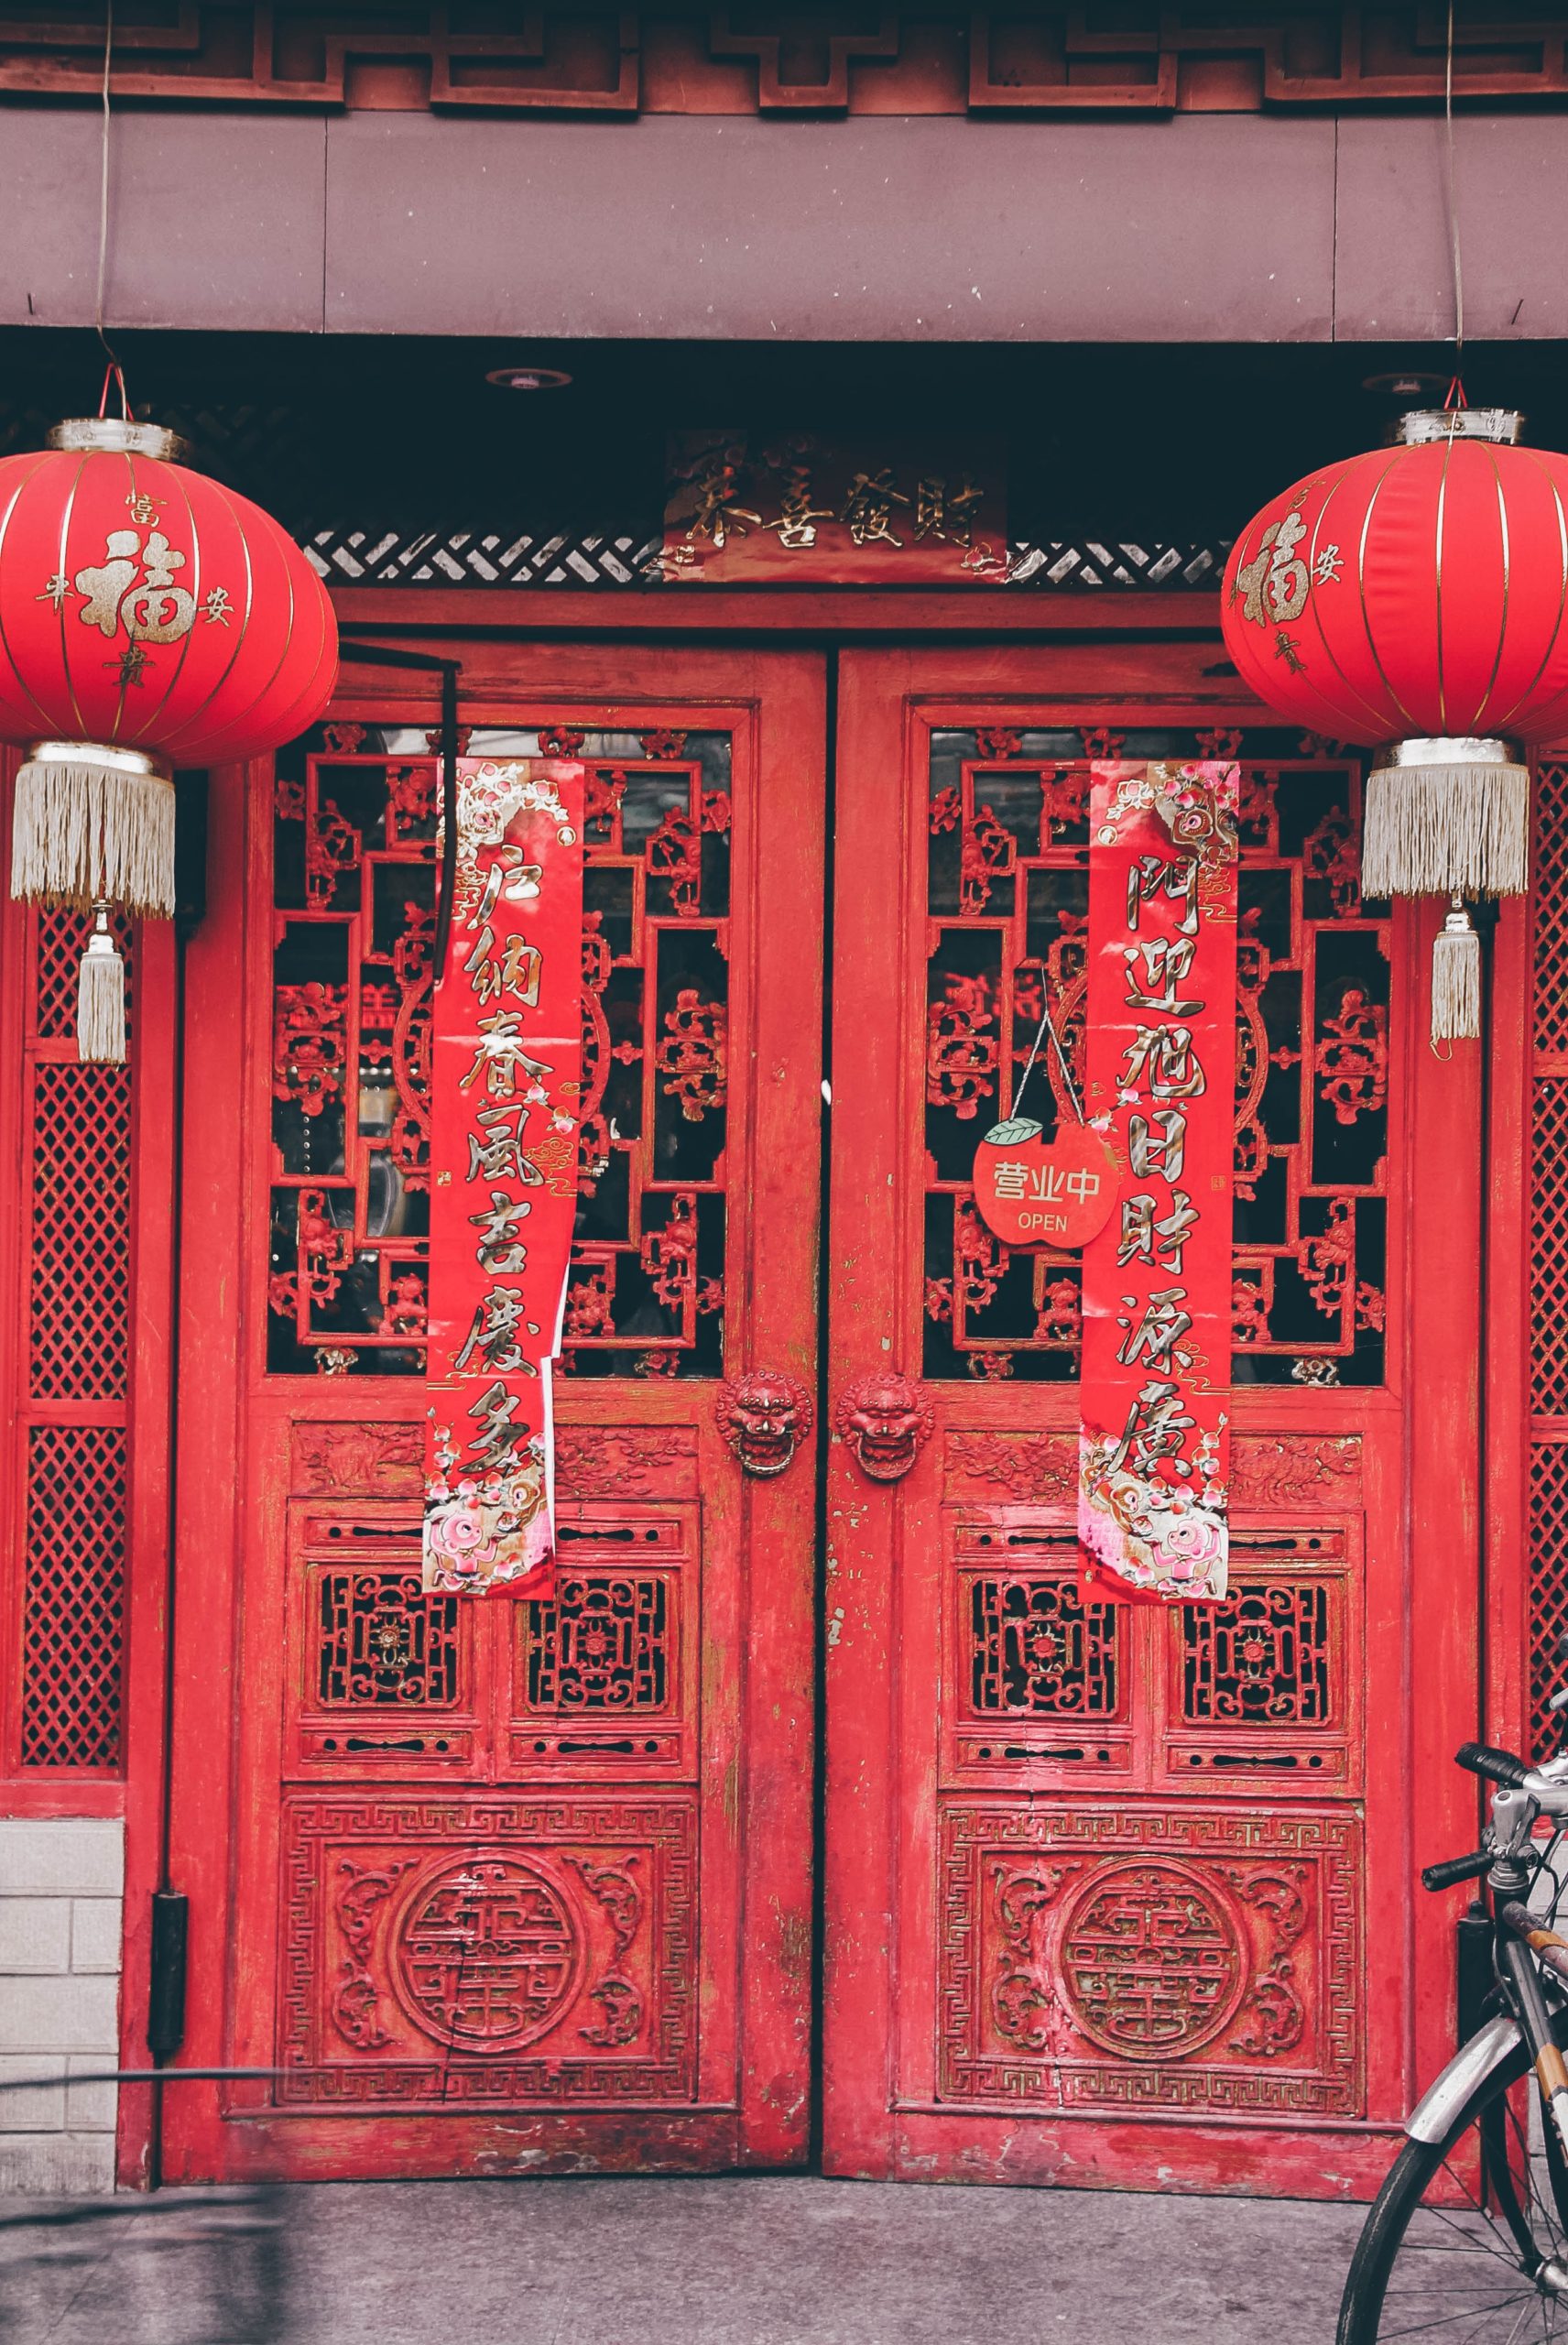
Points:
[[72, 1357], [353, 899], [1549, 1243], [1007, 904]]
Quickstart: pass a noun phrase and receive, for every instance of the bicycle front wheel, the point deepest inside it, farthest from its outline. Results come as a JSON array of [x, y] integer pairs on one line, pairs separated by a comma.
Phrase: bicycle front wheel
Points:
[[1465, 2242]]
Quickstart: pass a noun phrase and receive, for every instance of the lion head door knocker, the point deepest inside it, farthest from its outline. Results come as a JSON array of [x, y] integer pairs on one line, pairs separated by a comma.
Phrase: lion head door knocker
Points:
[[884, 1419], [764, 1417]]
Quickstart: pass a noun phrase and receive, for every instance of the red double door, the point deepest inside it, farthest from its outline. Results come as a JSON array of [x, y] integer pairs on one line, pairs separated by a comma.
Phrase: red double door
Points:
[[500, 1888]]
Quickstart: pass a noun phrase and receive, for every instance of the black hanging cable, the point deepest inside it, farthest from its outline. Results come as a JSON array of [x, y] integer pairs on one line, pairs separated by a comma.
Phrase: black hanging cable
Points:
[[114, 372], [1452, 200], [446, 886], [386, 655]]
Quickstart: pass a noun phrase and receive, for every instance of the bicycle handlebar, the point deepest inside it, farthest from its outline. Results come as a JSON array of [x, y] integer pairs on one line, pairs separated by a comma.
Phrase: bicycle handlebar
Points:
[[1498, 1766], [1444, 1876]]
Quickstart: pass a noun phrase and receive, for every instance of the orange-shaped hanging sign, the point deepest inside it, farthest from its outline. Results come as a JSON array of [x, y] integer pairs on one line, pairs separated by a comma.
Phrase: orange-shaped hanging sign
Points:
[[1034, 1192]]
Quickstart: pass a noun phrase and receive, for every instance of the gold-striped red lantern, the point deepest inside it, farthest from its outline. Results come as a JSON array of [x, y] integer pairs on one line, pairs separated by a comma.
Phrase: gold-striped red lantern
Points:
[[150, 619], [1415, 600]]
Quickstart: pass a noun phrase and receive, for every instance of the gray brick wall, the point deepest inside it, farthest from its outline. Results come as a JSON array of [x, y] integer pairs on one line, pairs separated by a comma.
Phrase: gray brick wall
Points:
[[60, 1885]]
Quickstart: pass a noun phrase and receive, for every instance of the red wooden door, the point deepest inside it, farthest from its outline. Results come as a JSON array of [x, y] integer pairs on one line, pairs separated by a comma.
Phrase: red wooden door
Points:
[[1117, 1895], [502, 1887]]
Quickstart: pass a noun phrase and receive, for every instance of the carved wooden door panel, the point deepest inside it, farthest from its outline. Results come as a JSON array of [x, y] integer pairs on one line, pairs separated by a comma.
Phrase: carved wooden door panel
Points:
[[1116, 1894], [503, 1886]]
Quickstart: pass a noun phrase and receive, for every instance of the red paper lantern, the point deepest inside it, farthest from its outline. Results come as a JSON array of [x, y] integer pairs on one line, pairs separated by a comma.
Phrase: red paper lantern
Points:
[[1416, 599], [149, 619]]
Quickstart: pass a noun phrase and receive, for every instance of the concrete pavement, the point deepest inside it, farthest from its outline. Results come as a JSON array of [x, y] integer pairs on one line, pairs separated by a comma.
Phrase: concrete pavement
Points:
[[756, 2260]]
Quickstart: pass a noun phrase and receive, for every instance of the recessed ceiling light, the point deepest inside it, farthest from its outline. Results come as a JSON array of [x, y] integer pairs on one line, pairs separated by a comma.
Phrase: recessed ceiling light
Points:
[[1408, 385], [529, 379]]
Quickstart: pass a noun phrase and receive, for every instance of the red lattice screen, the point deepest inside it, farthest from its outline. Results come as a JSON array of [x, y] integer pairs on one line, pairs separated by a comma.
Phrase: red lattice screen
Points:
[[1549, 1243], [73, 1363]]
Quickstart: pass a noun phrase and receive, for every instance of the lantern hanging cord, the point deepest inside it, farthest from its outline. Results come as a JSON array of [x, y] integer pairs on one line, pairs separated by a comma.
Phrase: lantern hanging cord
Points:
[[1453, 194], [1047, 1026], [114, 369]]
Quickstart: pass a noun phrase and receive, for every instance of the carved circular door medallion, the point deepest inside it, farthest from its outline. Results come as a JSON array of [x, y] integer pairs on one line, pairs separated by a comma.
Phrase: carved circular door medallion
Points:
[[1153, 1959], [487, 1953]]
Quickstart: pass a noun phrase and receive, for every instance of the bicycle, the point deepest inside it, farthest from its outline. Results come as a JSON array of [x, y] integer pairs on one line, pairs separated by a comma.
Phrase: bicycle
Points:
[[1468, 2241]]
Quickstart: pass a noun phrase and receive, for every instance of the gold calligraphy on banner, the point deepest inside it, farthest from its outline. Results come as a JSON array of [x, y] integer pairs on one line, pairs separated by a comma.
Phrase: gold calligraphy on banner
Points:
[[1155, 1442], [506, 1086]]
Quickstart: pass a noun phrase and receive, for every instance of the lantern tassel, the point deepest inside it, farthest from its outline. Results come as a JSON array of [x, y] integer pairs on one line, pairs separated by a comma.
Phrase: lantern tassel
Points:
[[1434, 827], [1456, 979], [100, 996], [93, 823]]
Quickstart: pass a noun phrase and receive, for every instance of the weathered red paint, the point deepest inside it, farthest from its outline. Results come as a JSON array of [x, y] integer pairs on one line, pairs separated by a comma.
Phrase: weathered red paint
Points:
[[950, 2052], [901, 1756], [708, 1840]]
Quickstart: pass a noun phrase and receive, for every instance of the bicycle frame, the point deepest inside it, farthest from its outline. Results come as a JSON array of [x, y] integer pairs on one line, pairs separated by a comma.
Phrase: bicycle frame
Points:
[[1527, 1958]]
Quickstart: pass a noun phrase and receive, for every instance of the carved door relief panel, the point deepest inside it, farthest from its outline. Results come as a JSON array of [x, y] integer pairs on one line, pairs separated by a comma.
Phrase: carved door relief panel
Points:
[[517, 1885], [1130, 1859]]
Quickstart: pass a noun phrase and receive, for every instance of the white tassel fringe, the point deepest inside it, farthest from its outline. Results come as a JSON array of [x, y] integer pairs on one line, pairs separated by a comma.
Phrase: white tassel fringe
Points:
[[101, 1000], [1430, 829], [84, 831], [1457, 981]]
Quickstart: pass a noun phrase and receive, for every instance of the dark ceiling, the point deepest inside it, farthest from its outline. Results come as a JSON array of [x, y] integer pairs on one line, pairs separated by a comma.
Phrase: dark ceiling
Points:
[[1157, 443]]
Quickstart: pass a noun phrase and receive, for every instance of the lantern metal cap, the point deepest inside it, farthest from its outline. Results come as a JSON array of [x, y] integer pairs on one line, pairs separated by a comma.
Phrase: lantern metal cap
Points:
[[1459, 749], [1421, 425], [115, 435], [113, 757]]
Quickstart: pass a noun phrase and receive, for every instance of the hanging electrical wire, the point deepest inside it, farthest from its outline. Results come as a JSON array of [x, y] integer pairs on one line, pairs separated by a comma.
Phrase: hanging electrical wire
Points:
[[115, 372], [1452, 196]]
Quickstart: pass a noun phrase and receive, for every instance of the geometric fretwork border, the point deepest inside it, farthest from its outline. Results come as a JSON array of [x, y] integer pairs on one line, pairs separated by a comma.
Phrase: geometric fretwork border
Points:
[[404, 557]]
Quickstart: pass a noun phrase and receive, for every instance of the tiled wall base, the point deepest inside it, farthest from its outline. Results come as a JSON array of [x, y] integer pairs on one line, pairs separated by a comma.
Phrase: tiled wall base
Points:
[[61, 1882]]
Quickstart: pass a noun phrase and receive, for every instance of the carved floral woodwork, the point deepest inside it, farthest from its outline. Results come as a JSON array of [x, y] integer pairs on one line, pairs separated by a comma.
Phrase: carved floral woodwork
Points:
[[884, 1421], [1260, 1685], [1023, 1466], [764, 1418], [626, 1461], [692, 1054], [382, 1643], [1267, 1470], [1037, 1650], [605, 1642], [1265, 1657], [487, 1948], [1204, 1960], [1352, 1057], [1283, 1470], [614, 61], [359, 1461]]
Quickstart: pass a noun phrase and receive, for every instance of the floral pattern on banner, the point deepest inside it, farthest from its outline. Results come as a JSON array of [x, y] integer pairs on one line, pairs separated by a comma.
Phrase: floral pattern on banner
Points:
[[1154, 1450], [506, 1084]]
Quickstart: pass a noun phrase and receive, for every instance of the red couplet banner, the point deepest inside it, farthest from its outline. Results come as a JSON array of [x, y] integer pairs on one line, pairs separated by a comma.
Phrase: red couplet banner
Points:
[[1154, 1451], [504, 1089]]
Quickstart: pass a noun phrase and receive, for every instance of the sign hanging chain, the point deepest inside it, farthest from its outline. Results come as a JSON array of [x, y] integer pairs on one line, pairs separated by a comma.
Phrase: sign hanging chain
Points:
[[1047, 1026]]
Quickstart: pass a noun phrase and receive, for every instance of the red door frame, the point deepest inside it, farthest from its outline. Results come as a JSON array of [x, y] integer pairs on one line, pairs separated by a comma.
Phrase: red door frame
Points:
[[1432, 1609], [1183, 627], [134, 1789], [757, 2112]]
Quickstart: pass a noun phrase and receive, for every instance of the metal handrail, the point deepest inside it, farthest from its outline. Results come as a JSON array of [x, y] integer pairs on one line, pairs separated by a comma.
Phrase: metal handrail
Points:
[[132, 2077]]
